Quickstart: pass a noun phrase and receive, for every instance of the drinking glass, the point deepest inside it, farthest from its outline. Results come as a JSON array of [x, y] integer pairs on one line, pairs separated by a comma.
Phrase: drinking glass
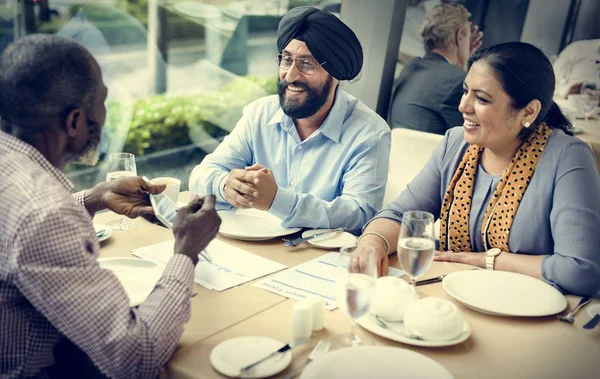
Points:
[[416, 243], [355, 294], [589, 99], [121, 164]]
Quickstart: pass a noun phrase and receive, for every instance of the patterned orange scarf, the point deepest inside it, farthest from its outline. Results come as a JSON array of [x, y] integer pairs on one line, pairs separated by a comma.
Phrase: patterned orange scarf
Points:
[[498, 219]]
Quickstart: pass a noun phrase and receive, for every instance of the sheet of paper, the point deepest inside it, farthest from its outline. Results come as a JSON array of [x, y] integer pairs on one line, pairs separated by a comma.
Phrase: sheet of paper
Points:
[[315, 278], [230, 267]]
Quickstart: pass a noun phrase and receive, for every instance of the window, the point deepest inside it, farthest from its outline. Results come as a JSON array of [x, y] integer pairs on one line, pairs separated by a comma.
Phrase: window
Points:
[[170, 102]]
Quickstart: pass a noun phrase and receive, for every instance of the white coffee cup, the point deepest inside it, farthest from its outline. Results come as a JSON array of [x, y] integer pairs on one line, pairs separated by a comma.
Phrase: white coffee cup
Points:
[[392, 297], [173, 187], [434, 319]]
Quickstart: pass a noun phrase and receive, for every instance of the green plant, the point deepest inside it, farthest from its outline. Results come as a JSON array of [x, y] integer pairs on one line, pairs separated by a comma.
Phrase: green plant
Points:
[[162, 122]]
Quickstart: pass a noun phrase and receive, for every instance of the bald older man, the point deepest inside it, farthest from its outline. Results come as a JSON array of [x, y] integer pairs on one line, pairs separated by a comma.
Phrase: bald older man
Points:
[[314, 156]]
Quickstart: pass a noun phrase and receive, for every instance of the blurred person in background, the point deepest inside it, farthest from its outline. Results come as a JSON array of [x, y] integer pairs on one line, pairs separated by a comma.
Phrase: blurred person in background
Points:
[[426, 95], [579, 62]]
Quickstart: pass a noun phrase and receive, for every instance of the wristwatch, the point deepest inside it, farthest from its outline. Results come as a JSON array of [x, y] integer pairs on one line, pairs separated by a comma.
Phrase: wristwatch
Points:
[[490, 258]]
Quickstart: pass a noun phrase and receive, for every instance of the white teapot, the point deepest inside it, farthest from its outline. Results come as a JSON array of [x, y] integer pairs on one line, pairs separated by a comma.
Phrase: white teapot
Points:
[[434, 319], [392, 296]]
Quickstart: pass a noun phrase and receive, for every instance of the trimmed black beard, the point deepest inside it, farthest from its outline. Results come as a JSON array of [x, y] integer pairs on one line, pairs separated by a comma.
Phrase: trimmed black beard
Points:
[[315, 99]]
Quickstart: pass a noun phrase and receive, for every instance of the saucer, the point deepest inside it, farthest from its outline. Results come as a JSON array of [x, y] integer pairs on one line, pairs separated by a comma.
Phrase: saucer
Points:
[[368, 322], [108, 231], [230, 356], [331, 240]]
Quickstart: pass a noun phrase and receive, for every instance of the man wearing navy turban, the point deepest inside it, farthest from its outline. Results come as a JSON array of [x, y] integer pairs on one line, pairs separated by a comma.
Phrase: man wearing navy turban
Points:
[[313, 156]]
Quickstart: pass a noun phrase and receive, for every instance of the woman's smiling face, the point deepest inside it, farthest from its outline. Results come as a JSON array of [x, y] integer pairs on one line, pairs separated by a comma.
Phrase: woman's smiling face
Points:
[[489, 119]]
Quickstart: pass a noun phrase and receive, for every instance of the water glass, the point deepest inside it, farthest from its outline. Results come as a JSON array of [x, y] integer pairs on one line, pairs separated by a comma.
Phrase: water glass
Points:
[[416, 243], [355, 293], [119, 165]]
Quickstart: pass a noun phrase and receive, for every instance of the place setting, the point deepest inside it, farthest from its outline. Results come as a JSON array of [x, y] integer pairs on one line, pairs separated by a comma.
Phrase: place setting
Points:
[[328, 239]]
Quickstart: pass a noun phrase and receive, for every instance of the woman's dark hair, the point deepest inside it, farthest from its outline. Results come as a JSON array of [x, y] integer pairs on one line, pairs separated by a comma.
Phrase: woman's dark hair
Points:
[[525, 74]]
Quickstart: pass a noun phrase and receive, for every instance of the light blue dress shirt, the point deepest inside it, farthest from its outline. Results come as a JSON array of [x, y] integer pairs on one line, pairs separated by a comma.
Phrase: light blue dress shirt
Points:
[[334, 178]]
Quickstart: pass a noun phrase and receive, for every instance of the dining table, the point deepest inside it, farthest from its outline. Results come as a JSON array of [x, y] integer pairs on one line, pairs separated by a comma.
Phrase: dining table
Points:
[[498, 347]]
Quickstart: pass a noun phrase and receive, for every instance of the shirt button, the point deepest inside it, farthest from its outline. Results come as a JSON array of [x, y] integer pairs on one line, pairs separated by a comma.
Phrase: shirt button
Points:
[[292, 183], [299, 147]]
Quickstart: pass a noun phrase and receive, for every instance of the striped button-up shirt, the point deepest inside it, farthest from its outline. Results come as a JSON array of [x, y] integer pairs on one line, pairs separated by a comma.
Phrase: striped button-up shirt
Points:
[[52, 288]]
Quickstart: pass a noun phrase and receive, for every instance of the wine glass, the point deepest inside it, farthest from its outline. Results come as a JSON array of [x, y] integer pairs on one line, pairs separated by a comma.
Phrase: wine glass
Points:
[[416, 244], [121, 164], [355, 293], [590, 95]]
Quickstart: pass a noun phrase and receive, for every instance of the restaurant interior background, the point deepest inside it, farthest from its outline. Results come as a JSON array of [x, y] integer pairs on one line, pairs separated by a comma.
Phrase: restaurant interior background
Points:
[[179, 72]]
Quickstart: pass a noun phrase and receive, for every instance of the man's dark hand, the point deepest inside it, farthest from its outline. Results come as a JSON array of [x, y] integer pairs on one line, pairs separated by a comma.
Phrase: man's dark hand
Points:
[[125, 196], [195, 226]]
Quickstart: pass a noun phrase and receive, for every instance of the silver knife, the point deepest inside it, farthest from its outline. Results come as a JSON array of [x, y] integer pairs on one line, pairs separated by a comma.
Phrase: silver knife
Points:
[[593, 322], [244, 370], [298, 241], [431, 280]]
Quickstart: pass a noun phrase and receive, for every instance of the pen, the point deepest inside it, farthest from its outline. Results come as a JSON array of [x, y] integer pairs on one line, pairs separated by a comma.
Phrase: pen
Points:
[[204, 254]]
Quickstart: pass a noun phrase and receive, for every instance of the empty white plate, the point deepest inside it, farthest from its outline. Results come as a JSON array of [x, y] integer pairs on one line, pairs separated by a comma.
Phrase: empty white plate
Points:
[[107, 231], [372, 326], [381, 362], [504, 293], [230, 356], [138, 277], [330, 240], [251, 225]]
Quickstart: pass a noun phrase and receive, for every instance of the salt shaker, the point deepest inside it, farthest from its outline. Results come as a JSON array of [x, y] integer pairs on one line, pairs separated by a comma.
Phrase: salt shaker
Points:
[[302, 322], [318, 308]]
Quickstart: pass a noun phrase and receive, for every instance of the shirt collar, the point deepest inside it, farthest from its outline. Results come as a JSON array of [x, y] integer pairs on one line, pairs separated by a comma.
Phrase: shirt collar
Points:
[[435, 56], [12, 144], [331, 126]]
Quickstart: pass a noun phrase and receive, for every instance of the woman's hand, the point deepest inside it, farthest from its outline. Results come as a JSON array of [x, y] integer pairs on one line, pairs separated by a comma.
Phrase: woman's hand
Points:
[[369, 250], [473, 259]]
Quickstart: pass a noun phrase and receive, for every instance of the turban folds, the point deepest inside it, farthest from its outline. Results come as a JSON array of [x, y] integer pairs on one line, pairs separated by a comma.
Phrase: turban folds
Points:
[[327, 37]]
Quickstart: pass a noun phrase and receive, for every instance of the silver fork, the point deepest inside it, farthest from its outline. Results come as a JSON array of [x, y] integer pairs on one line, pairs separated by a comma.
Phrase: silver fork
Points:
[[320, 350], [570, 317], [300, 240]]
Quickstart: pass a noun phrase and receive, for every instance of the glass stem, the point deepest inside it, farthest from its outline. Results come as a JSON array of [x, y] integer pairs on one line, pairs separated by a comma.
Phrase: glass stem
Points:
[[353, 337]]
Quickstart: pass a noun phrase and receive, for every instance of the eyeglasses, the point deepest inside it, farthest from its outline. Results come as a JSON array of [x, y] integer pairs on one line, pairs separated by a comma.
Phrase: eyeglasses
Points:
[[305, 65]]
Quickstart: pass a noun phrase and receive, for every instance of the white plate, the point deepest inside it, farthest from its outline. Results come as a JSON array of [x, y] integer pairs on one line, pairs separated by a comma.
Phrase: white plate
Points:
[[252, 225], [504, 293], [331, 240], [138, 277], [381, 362], [593, 309], [371, 325], [107, 233], [230, 356]]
